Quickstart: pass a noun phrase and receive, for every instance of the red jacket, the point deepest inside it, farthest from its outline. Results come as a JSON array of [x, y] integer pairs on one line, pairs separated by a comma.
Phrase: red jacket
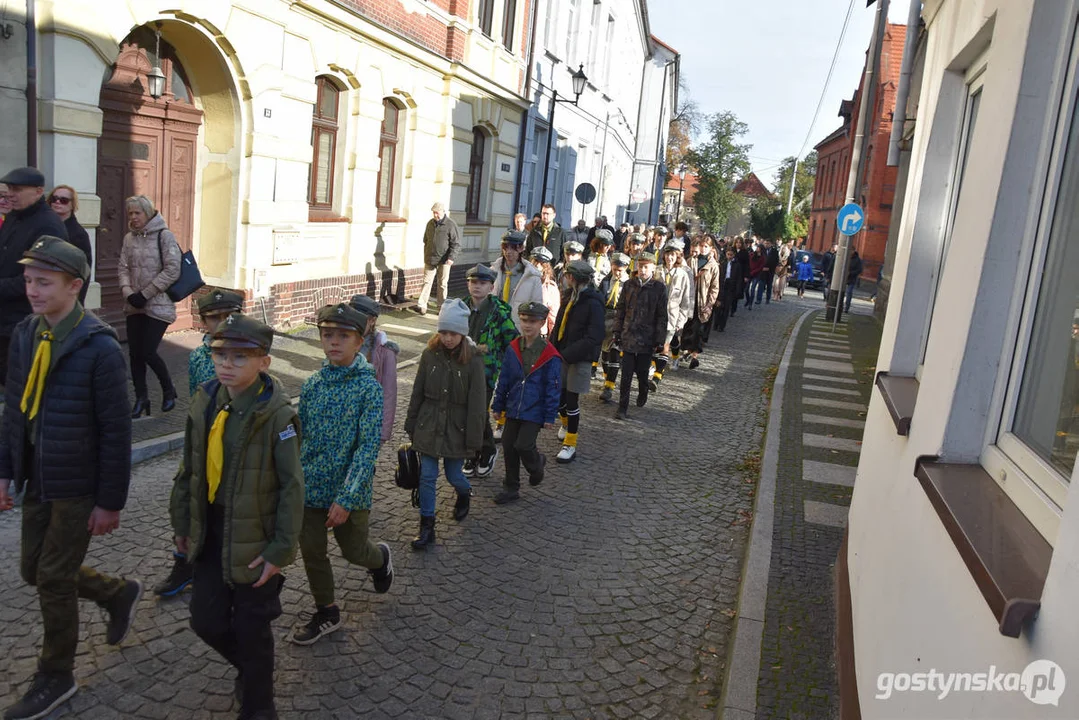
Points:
[[756, 264]]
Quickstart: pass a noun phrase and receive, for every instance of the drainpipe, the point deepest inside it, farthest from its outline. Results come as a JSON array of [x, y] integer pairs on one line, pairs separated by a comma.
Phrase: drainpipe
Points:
[[902, 94], [31, 84], [531, 53]]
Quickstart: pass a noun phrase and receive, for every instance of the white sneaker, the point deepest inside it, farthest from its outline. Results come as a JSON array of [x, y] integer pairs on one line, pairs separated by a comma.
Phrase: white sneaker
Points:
[[562, 432], [567, 454], [497, 431], [674, 364]]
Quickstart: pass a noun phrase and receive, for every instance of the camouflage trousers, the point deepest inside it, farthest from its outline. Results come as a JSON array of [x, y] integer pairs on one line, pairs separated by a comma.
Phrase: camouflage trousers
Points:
[[55, 538]]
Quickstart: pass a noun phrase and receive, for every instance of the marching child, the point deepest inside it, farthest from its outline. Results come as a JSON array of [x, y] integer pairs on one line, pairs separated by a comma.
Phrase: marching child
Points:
[[446, 412], [382, 353], [611, 290], [237, 506], [214, 307], [66, 441], [640, 329], [529, 388], [341, 414], [552, 296], [805, 274], [491, 327]]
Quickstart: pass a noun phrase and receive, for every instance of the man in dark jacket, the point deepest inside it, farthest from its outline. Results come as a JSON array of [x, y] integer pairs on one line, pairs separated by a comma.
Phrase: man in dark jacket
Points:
[[441, 243], [578, 336], [29, 219], [730, 282], [547, 234], [853, 272], [768, 276], [66, 440], [640, 329], [827, 264]]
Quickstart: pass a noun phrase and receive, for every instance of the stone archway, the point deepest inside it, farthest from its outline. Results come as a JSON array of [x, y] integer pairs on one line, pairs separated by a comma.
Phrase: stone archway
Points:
[[147, 147]]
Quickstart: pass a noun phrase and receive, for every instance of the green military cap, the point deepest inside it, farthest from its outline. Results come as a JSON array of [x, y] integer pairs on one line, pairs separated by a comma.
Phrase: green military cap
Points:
[[636, 238], [574, 247], [241, 331], [514, 237], [482, 273], [533, 309], [605, 236], [52, 253], [367, 305], [218, 301], [580, 269], [646, 257], [620, 259], [662, 230], [542, 254], [342, 315]]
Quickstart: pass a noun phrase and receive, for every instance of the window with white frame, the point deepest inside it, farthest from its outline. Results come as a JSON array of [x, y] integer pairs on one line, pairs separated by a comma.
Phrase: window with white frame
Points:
[[571, 32], [975, 83], [1040, 428]]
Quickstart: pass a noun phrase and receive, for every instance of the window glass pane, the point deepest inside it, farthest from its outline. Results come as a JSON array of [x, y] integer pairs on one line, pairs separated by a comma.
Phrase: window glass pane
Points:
[[385, 176], [328, 101], [323, 165], [509, 18], [1046, 417], [389, 118]]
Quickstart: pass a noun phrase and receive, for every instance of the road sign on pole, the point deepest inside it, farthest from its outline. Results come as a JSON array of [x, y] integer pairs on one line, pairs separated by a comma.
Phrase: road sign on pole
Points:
[[638, 196], [850, 219], [585, 193]]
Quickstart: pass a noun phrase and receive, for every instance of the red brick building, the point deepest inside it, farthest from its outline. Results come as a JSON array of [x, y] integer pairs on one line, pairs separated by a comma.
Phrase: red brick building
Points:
[[876, 191]]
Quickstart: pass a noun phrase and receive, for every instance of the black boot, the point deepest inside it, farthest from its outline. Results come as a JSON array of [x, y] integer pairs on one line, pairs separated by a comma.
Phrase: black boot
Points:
[[181, 576], [142, 407], [460, 509], [168, 399], [427, 533]]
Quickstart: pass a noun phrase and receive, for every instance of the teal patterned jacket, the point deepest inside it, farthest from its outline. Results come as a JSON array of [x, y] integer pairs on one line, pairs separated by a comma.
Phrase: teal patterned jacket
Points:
[[200, 367], [341, 417], [497, 335]]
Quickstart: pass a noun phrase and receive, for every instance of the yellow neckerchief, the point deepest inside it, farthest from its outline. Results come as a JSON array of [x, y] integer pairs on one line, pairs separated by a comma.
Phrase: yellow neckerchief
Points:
[[39, 370], [215, 447], [565, 316], [612, 297]]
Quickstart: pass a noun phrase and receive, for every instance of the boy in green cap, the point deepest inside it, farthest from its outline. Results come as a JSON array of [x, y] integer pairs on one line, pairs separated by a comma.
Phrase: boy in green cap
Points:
[[341, 413], [237, 506], [66, 440]]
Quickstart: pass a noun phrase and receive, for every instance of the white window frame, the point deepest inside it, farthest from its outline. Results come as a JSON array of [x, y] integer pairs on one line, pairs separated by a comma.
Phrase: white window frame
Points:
[[975, 85], [1040, 490]]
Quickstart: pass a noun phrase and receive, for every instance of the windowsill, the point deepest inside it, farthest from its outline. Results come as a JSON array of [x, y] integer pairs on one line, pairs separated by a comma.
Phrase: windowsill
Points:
[[900, 393], [476, 222], [389, 219], [325, 216], [1006, 555]]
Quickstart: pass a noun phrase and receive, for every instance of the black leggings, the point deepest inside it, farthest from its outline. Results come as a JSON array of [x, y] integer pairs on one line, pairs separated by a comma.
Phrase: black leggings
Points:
[[144, 334]]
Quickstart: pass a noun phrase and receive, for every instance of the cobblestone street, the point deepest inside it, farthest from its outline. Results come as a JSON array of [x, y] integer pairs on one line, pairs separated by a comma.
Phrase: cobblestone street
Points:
[[607, 592]]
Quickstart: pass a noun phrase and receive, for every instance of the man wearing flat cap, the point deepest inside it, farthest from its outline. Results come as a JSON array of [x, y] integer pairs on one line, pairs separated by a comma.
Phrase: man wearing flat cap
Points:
[[441, 243], [30, 219], [66, 440]]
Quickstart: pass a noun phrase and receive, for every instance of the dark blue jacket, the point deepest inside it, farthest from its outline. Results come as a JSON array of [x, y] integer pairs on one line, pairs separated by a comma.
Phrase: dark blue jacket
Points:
[[533, 395], [83, 444]]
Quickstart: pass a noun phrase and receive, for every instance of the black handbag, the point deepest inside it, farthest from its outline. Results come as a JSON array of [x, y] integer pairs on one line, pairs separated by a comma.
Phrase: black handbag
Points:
[[407, 474], [190, 278]]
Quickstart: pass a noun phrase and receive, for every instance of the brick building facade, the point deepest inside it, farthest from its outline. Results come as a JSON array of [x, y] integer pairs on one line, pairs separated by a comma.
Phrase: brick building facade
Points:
[[876, 191]]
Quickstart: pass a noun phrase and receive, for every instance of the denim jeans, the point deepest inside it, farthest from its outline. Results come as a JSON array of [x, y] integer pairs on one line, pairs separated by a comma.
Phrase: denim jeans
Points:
[[429, 474], [764, 287], [751, 289], [850, 294]]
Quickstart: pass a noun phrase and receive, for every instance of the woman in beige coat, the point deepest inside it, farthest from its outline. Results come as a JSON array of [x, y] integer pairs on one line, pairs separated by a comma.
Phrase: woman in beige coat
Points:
[[149, 265]]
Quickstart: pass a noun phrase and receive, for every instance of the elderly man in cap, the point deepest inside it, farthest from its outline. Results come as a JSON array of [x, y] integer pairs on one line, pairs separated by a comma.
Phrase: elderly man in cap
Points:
[[491, 327], [66, 441], [30, 218], [441, 243]]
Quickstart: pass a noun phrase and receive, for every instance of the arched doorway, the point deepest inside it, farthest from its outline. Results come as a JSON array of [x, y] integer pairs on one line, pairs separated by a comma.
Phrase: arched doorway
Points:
[[147, 147]]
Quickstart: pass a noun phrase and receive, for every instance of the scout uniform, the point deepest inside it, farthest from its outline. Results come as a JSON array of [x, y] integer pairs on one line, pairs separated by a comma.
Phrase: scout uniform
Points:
[[640, 327], [341, 413], [529, 388], [239, 497], [611, 289], [490, 324], [200, 367], [66, 441]]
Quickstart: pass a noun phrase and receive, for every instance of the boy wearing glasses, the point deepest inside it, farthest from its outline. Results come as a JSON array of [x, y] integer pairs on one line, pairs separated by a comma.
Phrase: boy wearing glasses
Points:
[[341, 412], [214, 307], [237, 506]]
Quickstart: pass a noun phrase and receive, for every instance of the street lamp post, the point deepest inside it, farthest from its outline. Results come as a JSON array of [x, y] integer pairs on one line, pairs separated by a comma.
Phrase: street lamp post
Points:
[[579, 80], [681, 187]]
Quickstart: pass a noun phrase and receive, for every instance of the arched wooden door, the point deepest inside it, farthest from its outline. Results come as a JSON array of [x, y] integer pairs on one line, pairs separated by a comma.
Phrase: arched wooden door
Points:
[[147, 147]]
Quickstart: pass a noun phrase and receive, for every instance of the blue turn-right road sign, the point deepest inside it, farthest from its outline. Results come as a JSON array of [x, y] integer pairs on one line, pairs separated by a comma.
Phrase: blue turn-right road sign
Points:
[[850, 219]]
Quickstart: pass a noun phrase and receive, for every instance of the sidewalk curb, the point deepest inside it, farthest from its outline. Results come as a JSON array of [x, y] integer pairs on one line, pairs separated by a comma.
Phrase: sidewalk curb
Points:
[[743, 669]]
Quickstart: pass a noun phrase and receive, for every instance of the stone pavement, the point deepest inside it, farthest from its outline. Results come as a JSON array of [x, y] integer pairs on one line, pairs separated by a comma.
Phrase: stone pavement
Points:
[[607, 592], [829, 382]]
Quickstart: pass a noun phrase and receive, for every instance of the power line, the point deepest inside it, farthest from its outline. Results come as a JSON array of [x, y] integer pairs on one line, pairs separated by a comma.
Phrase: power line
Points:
[[828, 79]]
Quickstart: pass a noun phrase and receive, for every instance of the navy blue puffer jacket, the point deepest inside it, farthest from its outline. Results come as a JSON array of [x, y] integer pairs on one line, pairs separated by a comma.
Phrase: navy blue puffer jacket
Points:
[[530, 394], [83, 444]]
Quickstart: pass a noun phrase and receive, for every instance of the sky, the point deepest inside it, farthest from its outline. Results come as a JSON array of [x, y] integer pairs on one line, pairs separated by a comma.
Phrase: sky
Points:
[[766, 61]]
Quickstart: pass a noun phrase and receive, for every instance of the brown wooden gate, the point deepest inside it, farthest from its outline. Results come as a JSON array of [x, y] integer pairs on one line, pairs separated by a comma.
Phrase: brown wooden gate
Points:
[[147, 147]]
